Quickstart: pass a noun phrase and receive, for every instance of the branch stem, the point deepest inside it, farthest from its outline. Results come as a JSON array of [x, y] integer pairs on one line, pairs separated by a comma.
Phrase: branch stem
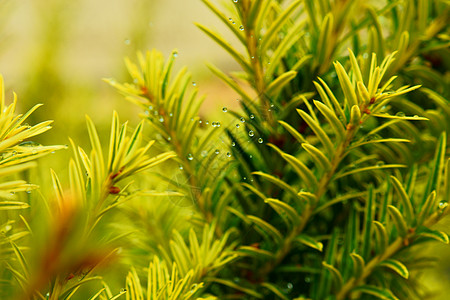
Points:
[[394, 248], [323, 184]]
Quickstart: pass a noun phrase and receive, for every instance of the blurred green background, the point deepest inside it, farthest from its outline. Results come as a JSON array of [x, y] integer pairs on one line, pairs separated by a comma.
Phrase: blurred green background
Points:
[[57, 52]]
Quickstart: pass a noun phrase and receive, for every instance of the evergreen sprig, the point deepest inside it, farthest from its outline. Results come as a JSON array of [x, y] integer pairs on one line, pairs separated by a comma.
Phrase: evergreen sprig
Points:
[[329, 188]]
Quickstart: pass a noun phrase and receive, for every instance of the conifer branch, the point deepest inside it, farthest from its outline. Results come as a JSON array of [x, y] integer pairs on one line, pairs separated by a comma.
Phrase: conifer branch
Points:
[[395, 247]]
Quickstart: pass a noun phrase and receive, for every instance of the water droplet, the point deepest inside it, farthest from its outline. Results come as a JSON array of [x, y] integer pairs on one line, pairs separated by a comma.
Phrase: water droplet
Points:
[[443, 204], [250, 156], [169, 138], [307, 279], [123, 290], [150, 107], [213, 124], [217, 151], [380, 163], [251, 133], [242, 119], [241, 28], [218, 124], [207, 122], [161, 119], [180, 167], [400, 114], [235, 1], [290, 286], [224, 109], [245, 178], [415, 116], [228, 154], [230, 19], [253, 57], [127, 42], [29, 144], [190, 156], [200, 121], [175, 54], [252, 116], [204, 153], [375, 137], [237, 125], [233, 144], [171, 115], [193, 288], [194, 83], [260, 140]]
